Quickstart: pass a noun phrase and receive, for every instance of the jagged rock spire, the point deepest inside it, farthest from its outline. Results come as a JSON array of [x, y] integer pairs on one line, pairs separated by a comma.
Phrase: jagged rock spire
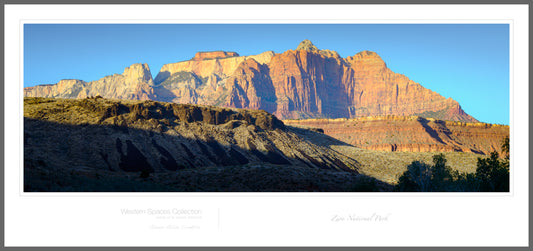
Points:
[[307, 45]]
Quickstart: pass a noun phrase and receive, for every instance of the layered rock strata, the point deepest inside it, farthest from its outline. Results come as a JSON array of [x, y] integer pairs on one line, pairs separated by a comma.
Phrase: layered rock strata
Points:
[[411, 134]]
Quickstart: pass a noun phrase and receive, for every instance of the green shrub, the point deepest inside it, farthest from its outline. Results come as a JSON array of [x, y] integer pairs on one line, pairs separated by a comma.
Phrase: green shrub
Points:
[[417, 178], [492, 175]]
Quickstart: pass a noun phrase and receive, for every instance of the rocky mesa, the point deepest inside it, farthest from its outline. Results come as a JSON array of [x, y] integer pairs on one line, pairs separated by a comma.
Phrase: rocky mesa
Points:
[[303, 83]]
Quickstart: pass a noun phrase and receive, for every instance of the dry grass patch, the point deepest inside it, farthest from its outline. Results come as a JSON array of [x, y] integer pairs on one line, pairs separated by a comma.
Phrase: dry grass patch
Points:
[[389, 166]]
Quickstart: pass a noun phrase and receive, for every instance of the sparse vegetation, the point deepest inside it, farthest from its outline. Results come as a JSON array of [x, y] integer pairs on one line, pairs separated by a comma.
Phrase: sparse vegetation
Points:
[[492, 175], [430, 114], [389, 166]]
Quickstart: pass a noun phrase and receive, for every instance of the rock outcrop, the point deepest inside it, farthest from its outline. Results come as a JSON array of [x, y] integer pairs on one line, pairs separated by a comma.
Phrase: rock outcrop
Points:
[[221, 67], [250, 87], [66, 88], [134, 83], [411, 134], [214, 55], [302, 83], [306, 45]]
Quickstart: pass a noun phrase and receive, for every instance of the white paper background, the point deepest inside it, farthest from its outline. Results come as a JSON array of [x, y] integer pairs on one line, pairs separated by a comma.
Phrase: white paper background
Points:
[[266, 219]]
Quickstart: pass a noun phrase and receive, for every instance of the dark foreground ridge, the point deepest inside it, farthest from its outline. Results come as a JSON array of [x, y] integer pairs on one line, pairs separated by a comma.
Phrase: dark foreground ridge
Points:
[[98, 144]]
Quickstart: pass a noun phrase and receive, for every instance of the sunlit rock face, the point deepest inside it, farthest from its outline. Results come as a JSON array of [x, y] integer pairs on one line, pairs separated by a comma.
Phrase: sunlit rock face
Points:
[[303, 83]]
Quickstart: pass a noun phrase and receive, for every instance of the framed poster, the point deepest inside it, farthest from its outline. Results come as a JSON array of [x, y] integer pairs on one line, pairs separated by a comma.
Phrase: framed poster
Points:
[[266, 125]]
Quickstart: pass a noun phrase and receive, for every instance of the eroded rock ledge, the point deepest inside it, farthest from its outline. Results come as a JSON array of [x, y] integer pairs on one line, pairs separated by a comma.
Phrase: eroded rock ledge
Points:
[[411, 133]]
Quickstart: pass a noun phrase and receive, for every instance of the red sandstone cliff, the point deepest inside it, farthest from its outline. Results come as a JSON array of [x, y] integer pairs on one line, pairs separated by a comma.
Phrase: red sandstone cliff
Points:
[[375, 90], [250, 87], [302, 83]]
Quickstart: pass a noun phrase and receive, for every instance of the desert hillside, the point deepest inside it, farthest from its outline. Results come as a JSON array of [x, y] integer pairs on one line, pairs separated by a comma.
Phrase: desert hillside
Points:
[[171, 147]]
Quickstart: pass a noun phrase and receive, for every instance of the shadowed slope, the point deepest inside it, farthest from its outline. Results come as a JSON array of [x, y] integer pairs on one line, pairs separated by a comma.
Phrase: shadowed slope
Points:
[[118, 138]]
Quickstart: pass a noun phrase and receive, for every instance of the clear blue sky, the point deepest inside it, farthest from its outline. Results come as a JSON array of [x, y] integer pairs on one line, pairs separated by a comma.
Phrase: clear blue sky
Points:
[[467, 62]]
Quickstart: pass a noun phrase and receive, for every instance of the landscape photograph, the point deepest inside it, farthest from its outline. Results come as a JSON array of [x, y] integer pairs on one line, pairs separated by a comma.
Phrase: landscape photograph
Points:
[[399, 108]]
